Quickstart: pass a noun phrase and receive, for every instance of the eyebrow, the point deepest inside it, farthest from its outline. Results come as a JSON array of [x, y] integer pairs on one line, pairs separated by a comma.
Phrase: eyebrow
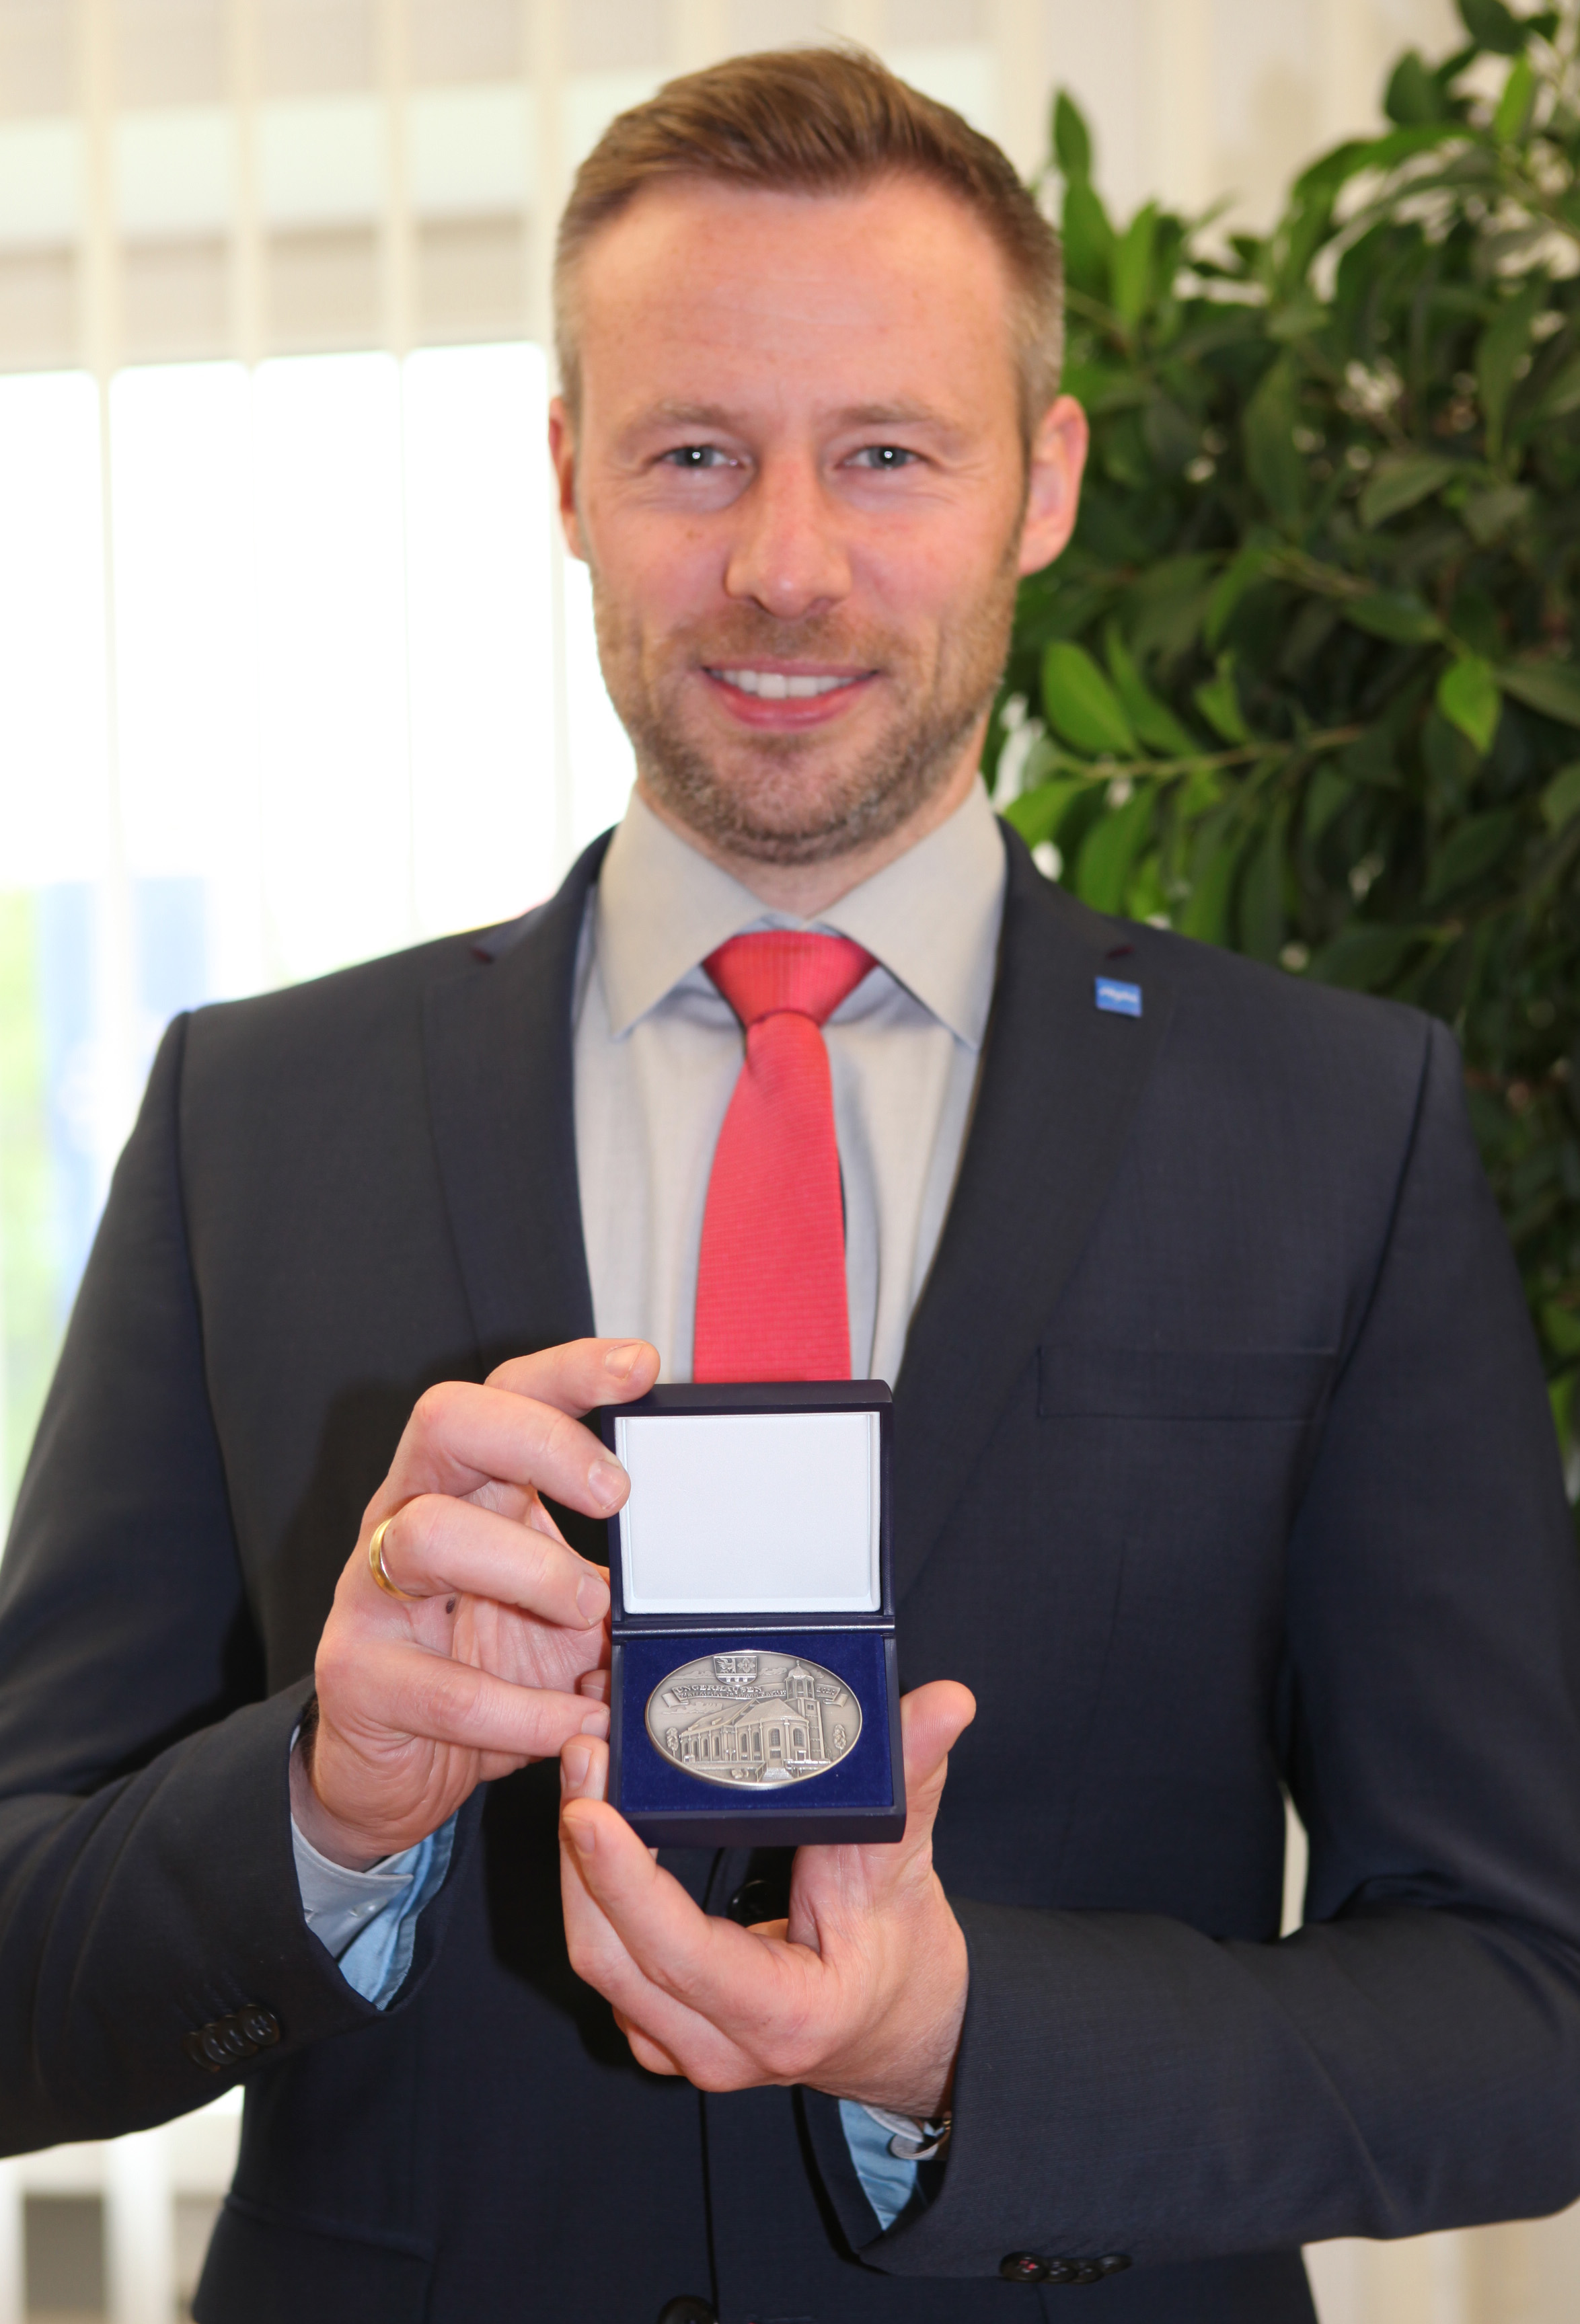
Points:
[[903, 413]]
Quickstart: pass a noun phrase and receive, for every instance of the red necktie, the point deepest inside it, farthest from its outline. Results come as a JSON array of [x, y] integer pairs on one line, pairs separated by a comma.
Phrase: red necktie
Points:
[[770, 1300]]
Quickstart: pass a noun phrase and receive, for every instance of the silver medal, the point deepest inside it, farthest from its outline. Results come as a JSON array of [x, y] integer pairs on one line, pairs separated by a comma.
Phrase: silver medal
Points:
[[757, 1717]]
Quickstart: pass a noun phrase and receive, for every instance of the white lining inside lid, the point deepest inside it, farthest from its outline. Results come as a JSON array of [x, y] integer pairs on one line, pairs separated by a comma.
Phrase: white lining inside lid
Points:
[[750, 1513]]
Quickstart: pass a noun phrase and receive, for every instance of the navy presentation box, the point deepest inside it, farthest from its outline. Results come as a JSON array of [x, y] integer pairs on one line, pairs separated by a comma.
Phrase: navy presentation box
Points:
[[754, 1694]]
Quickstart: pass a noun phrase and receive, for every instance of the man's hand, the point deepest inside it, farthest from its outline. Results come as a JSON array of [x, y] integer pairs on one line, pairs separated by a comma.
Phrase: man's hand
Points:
[[500, 1650], [861, 1992]]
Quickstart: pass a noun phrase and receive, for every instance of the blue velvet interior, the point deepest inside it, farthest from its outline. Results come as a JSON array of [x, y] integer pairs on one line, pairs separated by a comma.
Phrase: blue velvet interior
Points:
[[650, 1784]]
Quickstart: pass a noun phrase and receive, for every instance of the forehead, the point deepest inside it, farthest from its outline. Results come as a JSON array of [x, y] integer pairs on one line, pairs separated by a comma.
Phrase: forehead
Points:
[[884, 292]]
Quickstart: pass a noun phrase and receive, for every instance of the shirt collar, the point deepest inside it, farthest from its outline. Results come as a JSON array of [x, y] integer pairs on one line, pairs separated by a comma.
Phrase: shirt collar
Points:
[[931, 916]]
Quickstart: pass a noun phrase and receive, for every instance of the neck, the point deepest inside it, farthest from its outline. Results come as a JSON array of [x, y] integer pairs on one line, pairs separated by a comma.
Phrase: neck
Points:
[[805, 889]]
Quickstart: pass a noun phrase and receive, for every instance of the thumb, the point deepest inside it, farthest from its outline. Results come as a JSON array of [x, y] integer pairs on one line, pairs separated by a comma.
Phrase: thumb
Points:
[[828, 1885], [932, 1719]]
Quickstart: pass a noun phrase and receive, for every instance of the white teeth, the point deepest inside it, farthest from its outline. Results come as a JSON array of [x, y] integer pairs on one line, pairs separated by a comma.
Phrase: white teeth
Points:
[[773, 686]]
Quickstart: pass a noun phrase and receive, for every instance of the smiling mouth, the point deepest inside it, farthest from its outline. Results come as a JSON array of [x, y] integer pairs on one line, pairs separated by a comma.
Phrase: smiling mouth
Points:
[[783, 686]]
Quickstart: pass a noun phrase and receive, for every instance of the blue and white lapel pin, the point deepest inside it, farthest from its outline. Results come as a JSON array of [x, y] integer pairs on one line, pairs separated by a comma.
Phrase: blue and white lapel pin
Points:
[[1117, 998]]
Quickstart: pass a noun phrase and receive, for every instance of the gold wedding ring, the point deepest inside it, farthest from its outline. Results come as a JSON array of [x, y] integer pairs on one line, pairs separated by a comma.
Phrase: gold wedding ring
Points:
[[375, 1558]]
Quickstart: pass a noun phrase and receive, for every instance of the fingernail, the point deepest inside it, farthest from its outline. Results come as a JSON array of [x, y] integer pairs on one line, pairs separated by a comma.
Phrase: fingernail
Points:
[[597, 1721], [576, 1759], [583, 1838], [621, 1361], [606, 1481], [592, 1598]]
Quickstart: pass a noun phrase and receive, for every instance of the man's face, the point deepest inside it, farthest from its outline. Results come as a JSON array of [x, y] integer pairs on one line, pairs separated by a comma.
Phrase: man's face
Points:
[[798, 479]]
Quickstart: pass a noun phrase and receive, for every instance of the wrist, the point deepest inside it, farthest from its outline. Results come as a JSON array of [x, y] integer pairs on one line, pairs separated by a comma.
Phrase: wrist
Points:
[[339, 1842]]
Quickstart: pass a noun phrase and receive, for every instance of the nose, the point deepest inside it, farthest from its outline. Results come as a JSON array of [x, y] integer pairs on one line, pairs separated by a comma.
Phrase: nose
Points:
[[788, 556]]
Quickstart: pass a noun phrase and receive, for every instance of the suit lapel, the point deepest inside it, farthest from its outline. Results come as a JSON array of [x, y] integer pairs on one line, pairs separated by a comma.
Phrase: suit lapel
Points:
[[1061, 1083], [497, 1041]]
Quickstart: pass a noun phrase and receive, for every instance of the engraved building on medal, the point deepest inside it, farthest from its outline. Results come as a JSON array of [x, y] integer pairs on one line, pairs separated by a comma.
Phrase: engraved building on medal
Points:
[[753, 1717]]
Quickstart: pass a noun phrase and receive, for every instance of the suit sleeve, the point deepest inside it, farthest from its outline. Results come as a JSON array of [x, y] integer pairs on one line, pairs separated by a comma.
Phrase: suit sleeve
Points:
[[147, 1883], [1407, 2061]]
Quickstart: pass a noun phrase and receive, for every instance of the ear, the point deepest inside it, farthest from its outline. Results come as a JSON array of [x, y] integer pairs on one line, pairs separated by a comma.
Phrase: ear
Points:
[[562, 452], [1053, 484]]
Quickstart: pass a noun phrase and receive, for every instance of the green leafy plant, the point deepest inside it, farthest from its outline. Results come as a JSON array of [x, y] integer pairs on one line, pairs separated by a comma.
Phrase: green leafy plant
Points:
[[1305, 682]]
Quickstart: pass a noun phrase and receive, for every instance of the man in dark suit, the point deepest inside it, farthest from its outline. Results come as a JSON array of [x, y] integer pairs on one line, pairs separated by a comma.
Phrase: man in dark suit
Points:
[[1221, 1453]]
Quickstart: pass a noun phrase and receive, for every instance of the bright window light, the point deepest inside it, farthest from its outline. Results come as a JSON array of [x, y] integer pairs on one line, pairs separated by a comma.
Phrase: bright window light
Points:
[[481, 629], [339, 724], [53, 796]]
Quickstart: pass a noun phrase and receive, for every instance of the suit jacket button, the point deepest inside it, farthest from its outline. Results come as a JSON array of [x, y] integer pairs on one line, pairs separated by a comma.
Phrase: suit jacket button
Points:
[[196, 2045], [1086, 2271], [1023, 2267], [687, 2310], [260, 2026], [1115, 2263], [1061, 2271]]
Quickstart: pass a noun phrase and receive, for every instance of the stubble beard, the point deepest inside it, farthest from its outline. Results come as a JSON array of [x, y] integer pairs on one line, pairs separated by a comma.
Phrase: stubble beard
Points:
[[763, 798]]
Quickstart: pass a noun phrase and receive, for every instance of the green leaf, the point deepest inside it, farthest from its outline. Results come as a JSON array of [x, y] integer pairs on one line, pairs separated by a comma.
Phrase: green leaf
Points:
[[1365, 958], [1498, 350], [1173, 438], [1153, 719], [1399, 483], [1300, 318], [1215, 861], [1513, 113], [1489, 515], [1563, 396], [1164, 606], [1109, 848], [1332, 170], [1412, 95], [1262, 896], [1469, 852], [1246, 570], [1327, 793], [1037, 814], [1561, 1328], [1088, 240], [1561, 798], [1072, 139], [1098, 388], [1395, 615], [1551, 688], [1219, 704], [1275, 467], [1492, 25], [1132, 265], [1468, 698], [1081, 704]]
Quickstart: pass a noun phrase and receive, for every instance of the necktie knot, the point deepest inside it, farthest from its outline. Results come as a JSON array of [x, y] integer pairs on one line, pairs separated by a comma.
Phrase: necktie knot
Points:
[[787, 968]]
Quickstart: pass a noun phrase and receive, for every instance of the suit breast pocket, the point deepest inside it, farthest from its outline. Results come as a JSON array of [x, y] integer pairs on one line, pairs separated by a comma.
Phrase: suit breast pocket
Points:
[[1241, 1385]]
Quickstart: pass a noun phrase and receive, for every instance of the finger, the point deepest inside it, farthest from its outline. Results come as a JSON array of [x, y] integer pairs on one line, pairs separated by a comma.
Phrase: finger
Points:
[[707, 1965], [665, 2034], [435, 1546], [582, 1374], [462, 1437], [389, 1687], [646, 2051]]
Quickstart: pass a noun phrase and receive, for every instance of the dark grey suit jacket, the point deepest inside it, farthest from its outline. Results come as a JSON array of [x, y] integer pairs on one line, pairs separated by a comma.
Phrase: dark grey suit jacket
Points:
[[1222, 1458]]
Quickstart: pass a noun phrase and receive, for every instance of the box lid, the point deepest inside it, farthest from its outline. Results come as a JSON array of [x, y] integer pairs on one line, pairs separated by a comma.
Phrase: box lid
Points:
[[752, 1505]]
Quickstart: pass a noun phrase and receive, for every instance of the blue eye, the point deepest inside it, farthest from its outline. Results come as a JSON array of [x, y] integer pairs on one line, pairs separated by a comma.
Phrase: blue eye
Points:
[[885, 458], [694, 456]]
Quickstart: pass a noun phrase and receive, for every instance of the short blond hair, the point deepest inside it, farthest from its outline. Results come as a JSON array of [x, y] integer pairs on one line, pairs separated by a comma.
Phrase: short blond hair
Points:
[[818, 120]]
